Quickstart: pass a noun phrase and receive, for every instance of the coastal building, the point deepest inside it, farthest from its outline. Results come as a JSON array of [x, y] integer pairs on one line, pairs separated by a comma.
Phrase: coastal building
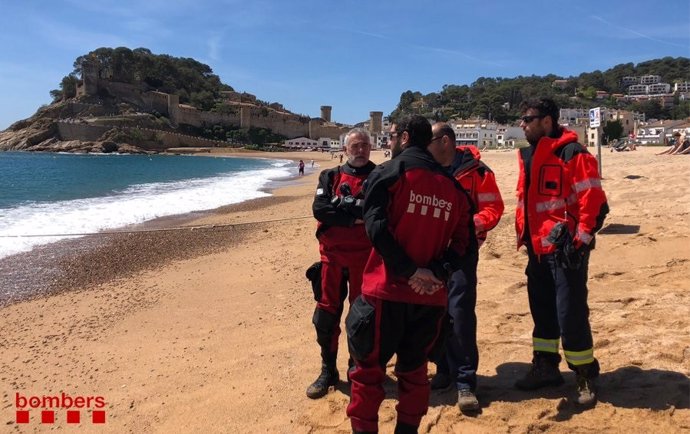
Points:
[[479, 133], [627, 119], [658, 88], [650, 79], [637, 89], [573, 116], [301, 143], [681, 87], [629, 80], [508, 135], [657, 132]]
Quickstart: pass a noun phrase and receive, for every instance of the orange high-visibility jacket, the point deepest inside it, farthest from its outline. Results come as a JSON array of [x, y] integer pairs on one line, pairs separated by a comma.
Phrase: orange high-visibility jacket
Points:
[[563, 186], [480, 183]]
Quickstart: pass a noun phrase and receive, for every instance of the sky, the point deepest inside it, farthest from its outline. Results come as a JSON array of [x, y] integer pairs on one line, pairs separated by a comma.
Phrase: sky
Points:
[[354, 55]]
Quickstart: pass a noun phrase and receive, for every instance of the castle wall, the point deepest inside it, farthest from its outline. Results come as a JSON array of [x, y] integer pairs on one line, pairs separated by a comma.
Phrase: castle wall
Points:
[[157, 101], [77, 131], [213, 118], [287, 124]]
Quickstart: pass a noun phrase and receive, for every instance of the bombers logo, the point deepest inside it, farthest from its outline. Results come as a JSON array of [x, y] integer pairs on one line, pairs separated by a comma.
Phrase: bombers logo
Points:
[[424, 202], [48, 406]]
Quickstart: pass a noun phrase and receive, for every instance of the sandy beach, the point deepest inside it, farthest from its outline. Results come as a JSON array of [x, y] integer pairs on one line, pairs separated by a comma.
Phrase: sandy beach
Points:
[[209, 330]]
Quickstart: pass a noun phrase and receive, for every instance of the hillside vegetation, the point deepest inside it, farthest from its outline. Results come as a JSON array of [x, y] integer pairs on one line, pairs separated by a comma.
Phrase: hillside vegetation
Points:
[[498, 98]]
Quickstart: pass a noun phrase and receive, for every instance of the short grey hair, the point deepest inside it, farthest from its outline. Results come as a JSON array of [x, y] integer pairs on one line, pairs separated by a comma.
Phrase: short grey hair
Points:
[[357, 132]]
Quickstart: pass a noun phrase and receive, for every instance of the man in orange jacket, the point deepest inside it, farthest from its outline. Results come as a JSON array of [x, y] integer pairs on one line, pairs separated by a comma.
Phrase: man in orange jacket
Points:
[[561, 205], [459, 365]]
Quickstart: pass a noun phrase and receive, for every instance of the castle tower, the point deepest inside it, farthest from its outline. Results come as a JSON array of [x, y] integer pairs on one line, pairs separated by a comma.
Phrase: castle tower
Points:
[[89, 76], [174, 109], [375, 122], [326, 112], [245, 117]]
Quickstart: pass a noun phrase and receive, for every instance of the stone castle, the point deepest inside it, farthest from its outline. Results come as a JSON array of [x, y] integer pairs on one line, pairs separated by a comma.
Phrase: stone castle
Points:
[[244, 111]]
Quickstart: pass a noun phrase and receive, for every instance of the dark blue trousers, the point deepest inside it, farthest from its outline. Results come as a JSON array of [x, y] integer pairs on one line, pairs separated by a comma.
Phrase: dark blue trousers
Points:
[[558, 303], [462, 356]]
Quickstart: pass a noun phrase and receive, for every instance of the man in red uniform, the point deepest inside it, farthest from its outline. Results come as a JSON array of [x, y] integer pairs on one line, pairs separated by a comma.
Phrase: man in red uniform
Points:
[[461, 360], [344, 248], [418, 219], [560, 207]]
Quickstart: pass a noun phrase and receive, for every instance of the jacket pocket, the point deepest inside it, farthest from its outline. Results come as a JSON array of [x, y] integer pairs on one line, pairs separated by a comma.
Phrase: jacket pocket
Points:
[[361, 329], [551, 180]]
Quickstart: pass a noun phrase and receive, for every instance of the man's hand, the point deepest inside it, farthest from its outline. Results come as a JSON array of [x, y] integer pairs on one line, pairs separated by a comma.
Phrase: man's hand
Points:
[[423, 281]]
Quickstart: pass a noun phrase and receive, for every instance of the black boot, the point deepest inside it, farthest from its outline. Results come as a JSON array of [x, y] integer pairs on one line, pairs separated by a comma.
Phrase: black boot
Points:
[[544, 372], [329, 377], [403, 428], [586, 386]]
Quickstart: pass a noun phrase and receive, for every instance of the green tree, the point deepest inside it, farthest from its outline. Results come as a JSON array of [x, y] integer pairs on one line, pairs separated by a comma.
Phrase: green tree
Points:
[[612, 130]]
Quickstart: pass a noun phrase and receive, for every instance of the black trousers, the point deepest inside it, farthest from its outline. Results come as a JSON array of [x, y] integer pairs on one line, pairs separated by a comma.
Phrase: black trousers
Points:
[[558, 303]]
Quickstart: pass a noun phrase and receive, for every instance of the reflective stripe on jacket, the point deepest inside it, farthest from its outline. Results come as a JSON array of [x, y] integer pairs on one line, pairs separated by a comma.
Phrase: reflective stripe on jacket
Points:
[[564, 186]]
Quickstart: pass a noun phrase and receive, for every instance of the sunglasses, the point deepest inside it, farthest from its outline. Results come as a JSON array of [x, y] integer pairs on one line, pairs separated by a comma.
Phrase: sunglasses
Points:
[[528, 119]]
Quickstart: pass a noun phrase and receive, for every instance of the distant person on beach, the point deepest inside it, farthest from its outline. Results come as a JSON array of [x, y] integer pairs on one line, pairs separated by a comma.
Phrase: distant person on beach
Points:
[[301, 167], [561, 205], [418, 219], [459, 366], [341, 158], [312, 164], [344, 248], [680, 145]]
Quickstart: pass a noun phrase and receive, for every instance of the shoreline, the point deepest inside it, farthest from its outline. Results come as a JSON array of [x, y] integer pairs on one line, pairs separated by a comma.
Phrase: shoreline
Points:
[[20, 282], [57, 261]]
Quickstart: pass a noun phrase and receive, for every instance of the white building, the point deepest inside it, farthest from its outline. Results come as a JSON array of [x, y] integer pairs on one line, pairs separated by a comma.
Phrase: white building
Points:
[[479, 133], [301, 143], [572, 116], [650, 79], [657, 132], [658, 88], [507, 136], [681, 87], [637, 89]]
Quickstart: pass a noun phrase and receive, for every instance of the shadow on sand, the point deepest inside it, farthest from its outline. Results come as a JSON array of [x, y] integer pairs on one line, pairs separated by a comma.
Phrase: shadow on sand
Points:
[[626, 387]]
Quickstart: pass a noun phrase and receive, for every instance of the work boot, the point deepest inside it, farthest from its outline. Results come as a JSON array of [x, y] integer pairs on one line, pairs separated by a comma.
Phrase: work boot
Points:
[[404, 428], [467, 401], [586, 391], [329, 377], [544, 372], [441, 381]]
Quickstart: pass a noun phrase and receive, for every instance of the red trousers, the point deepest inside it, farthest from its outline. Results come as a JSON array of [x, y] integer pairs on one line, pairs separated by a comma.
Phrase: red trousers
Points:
[[409, 331]]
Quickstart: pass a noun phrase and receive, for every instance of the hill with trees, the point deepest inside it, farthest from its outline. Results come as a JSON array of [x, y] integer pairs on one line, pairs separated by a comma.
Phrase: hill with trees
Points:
[[193, 81], [499, 98]]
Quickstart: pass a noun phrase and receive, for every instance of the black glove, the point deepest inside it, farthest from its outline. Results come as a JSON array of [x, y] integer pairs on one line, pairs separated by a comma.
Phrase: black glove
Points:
[[573, 258], [351, 206]]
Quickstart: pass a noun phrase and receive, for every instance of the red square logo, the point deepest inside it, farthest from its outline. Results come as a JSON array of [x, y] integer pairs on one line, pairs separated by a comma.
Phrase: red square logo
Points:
[[22, 416], [47, 416], [98, 416], [73, 416]]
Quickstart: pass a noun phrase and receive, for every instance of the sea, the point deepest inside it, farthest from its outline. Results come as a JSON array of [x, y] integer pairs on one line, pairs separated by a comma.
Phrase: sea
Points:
[[48, 197]]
